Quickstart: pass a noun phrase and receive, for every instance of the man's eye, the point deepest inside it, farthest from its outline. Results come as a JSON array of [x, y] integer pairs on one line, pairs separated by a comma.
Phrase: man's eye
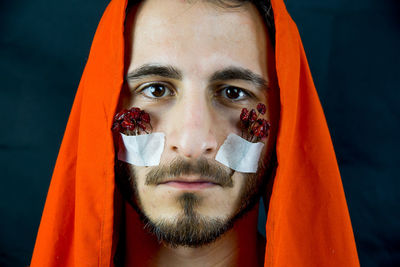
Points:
[[233, 93], [156, 91]]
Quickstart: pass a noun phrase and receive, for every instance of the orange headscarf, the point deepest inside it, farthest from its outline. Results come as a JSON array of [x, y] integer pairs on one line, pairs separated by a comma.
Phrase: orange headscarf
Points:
[[308, 222]]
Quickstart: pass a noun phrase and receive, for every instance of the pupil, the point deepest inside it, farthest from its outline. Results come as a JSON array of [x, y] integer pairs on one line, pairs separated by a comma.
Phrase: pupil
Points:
[[232, 92], [157, 90]]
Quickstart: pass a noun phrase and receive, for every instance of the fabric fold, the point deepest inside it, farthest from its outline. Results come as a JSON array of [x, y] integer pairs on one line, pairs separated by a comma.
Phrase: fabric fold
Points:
[[308, 222]]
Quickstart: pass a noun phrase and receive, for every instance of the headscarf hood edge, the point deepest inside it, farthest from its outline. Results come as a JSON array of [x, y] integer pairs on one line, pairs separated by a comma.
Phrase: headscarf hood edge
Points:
[[308, 222]]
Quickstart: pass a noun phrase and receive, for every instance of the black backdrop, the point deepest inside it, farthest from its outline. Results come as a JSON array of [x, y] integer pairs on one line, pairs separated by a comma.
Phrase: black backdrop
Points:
[[353, 51]]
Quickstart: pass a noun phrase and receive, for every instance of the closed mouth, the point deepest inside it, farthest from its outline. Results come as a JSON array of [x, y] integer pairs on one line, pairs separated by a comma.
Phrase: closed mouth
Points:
[[190, 183]]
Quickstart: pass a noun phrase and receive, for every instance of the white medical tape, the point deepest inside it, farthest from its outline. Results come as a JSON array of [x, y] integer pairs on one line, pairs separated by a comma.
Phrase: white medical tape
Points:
[[141, 150], [239, 154]]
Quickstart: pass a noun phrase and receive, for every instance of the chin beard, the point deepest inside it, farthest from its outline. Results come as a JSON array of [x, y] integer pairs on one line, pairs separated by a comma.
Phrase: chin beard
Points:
[[190, 229]]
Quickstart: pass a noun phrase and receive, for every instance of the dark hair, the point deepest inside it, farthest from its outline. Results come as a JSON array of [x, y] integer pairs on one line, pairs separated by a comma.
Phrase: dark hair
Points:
[[263, 6]]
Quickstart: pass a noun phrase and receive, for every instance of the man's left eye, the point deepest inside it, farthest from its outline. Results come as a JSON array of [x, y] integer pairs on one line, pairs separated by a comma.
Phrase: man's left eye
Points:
[[233, 93]]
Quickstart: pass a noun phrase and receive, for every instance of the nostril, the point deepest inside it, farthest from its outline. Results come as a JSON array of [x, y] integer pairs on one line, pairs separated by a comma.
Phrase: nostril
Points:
[[209, 150], [174, 148]]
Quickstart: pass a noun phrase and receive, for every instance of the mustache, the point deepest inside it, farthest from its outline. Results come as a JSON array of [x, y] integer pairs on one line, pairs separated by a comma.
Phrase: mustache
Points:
[[202, 167]]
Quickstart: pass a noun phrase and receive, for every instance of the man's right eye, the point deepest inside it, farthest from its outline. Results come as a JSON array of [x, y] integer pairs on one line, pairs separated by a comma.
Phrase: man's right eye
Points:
[[156, 90]]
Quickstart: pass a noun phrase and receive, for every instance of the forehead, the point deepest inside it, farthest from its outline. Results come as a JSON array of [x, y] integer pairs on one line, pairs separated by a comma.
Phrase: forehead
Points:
[[198, 37]]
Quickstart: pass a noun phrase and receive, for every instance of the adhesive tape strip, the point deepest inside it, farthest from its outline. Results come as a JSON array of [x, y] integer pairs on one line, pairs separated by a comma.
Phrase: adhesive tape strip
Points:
[[141, 150], [239, 154]]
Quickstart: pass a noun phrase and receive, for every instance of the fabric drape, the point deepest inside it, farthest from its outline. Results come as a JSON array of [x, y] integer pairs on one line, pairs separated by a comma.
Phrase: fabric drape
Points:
[[308, 222]]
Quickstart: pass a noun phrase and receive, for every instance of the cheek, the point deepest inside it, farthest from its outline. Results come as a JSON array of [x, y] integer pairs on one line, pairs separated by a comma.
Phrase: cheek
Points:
[[140, 178], [224, 203], [228, 122]]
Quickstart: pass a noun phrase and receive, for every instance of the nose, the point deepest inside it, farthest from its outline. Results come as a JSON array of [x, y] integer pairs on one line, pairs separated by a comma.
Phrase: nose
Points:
[[192, 132]]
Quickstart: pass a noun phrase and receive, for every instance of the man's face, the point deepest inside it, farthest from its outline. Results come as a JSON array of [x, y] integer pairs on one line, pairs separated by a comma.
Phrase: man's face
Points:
[[193, 67]]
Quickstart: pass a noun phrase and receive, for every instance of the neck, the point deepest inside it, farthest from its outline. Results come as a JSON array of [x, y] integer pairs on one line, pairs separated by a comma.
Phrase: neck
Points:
[[240, 246]]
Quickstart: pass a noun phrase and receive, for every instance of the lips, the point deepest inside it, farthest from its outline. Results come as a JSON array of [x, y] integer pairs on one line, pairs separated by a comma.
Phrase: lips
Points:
[[190, 183]]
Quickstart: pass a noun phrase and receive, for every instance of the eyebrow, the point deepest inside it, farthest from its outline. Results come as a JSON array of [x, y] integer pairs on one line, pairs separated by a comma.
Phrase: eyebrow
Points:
[[238, 73], [168, 71], [143, 71]]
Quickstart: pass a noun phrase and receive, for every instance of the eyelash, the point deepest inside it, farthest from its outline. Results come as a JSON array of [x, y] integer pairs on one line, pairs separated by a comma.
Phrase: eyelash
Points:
[[143, 87], [218, 93], [245, 92]]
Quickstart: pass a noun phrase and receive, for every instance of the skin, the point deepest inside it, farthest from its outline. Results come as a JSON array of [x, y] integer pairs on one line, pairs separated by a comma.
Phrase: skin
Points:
[[198, 39]]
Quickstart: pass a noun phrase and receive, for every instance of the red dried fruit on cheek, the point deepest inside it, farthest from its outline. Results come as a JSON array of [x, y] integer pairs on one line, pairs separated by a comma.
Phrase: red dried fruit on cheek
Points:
[[145, 117], [244, 116], [253, 116], [132, 122], [254, 128], [261, 108]]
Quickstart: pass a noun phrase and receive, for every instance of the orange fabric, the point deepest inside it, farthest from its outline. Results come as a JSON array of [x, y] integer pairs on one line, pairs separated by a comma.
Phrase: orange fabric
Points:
[[308, 222]]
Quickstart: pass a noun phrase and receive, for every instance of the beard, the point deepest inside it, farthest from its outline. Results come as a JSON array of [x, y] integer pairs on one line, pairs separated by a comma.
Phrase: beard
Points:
[[189, 228]]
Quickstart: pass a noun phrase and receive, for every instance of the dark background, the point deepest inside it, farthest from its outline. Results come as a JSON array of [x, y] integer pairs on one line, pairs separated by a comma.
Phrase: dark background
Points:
[[353, 52]]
